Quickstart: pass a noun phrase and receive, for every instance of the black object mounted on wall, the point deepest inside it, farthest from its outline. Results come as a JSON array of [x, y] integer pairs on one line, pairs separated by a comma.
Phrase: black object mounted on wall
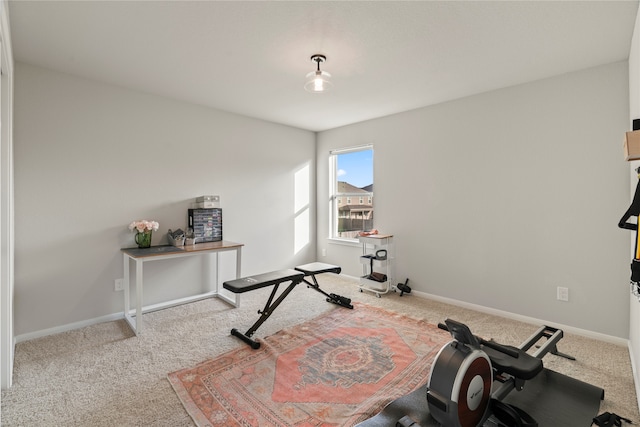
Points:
[[634, 210]]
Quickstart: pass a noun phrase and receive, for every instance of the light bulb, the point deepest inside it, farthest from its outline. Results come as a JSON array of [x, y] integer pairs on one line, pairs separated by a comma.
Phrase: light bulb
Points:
[[318, 82], [318, 85]]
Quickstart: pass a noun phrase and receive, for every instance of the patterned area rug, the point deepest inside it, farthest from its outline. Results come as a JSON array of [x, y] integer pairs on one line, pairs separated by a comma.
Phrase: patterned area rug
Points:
[[336, 370]]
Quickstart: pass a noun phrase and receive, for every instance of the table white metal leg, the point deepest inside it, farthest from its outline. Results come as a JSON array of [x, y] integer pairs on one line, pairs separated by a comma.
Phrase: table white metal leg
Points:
[[127, 295], [139, 263], [134, 321], [215, 289], [235, 300]]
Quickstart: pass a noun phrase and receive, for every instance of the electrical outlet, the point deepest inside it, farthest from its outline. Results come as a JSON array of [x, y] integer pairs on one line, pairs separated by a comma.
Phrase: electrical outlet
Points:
[[119, 285], [324, 252], [563, 294]]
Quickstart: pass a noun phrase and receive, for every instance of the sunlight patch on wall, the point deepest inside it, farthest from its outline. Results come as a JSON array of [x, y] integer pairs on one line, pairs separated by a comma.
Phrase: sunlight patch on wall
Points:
[[301, 209]]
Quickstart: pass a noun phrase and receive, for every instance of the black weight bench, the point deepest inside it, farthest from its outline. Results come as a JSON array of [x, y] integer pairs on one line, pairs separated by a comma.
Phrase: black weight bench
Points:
[[275, 279]]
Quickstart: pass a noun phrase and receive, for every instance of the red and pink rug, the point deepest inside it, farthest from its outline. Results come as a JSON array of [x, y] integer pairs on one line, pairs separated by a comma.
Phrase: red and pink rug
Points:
[[336, 370]]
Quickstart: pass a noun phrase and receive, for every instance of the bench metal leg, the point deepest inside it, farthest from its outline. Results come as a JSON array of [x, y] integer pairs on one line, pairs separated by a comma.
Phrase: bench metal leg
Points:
[[269, 308], [333, 298]]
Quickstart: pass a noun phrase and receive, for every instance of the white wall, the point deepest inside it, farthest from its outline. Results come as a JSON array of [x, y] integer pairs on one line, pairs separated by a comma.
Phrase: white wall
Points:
[[634, 113], [499, 198], [90, 158], [494, 199]]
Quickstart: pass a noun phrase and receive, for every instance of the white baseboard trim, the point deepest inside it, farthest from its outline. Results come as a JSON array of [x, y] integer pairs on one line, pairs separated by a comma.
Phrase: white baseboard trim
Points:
[[513, 316], [526, 319], [68, 327], [482, 309], [117, 316]]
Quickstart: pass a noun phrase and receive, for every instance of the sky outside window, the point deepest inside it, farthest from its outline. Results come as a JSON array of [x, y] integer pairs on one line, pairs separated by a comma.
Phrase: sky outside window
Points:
[[356, 168]]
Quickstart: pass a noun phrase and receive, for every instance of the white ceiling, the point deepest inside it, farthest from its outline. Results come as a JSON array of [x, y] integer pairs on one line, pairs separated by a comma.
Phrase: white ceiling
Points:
[[251, 58]]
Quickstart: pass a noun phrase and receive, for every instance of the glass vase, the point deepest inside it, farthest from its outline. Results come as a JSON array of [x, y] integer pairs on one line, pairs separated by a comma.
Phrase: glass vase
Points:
[[144, 239]]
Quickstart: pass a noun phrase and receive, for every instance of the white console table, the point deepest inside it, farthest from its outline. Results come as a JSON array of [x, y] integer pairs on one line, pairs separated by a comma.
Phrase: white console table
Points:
[[159, 253]]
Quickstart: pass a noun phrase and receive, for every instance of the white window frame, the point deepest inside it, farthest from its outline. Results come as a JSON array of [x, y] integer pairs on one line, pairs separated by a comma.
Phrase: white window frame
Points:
[[333, 198]]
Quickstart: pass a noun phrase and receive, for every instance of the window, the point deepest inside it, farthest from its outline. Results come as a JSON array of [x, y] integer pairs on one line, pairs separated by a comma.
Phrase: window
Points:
[[351, 174]]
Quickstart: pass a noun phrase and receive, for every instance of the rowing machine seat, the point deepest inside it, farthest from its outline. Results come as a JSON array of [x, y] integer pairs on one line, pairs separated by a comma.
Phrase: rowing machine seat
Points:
[[524, 366]]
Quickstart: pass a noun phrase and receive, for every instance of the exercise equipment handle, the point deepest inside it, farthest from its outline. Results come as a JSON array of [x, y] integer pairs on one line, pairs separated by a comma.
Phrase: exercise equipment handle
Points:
[[491, 344]]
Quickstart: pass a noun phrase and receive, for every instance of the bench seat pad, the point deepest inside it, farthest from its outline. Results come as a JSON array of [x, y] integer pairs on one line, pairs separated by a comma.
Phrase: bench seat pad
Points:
[[318, 268], [258, 281]]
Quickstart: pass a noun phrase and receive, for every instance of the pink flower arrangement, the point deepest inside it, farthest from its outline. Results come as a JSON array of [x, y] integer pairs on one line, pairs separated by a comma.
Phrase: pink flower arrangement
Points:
[[144, 225]]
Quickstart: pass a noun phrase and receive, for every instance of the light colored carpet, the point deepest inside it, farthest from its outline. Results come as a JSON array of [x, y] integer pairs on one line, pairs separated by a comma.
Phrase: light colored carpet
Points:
[[103, 375]]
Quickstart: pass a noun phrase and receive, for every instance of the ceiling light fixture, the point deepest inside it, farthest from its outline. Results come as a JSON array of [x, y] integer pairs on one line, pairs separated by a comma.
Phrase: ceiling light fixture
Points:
[[318, 81]]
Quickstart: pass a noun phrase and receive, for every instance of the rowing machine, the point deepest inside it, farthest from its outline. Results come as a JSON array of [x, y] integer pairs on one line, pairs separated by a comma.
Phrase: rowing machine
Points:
[[459, 389], [550, 398]]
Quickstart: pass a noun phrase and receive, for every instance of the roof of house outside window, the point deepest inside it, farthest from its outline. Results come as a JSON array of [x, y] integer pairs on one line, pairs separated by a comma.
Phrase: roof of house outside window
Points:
[[345, 187]]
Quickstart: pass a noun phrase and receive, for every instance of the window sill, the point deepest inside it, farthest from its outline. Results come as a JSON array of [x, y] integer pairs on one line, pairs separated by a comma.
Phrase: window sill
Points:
[[343, 242]]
